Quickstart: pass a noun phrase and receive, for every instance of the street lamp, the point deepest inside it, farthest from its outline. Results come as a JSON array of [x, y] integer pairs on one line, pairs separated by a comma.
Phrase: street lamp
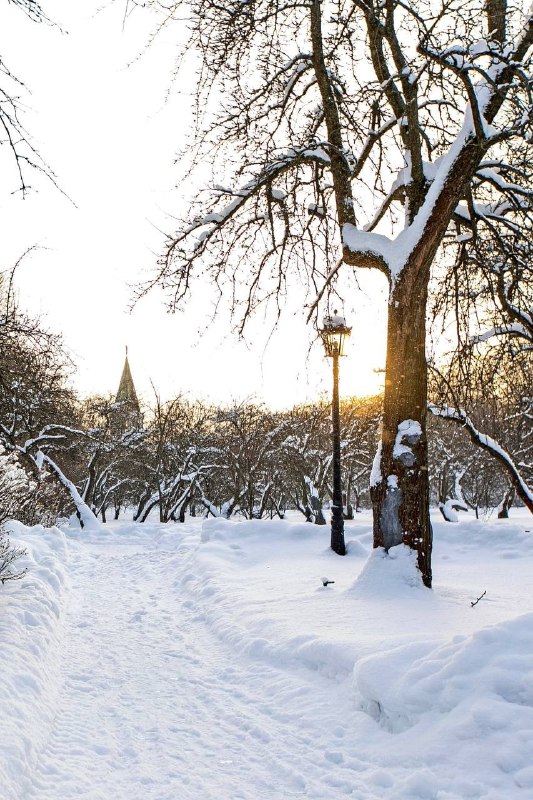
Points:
[[334, 334]]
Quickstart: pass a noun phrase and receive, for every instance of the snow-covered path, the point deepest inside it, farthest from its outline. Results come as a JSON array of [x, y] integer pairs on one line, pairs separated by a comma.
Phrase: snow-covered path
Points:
[[154, 705]]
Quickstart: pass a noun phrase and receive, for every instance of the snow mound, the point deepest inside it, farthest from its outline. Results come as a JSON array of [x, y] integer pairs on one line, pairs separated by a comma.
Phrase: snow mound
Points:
[[475, 690], [391, 574], [31, 629]]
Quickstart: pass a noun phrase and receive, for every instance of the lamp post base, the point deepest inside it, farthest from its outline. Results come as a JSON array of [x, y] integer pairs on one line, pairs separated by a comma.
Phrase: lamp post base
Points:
[[337, 531]]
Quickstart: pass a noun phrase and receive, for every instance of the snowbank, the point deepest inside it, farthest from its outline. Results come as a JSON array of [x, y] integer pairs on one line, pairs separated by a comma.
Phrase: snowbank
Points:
[[262, 580], [470, 700], [493, 665], [31, 617]]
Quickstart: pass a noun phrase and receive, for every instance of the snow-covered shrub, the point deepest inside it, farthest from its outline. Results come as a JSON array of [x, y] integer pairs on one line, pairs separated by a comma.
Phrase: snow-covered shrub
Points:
[[16, 489], [31, 501], [15, 493]]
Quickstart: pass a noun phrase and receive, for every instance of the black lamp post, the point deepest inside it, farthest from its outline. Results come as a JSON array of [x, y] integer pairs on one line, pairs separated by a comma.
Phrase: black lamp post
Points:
[[334, 334]]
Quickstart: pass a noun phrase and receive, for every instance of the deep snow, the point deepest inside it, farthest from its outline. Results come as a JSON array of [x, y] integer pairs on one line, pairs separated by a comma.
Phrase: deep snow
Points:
[[207, 660]]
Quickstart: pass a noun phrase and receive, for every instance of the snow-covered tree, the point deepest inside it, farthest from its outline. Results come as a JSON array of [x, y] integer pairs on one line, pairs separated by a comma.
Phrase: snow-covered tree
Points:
[[113, 457], [307, 459], [246, 463], [360, 420], [16, 488], [175, 457], [38, 409], [488, 396], [361, 132]]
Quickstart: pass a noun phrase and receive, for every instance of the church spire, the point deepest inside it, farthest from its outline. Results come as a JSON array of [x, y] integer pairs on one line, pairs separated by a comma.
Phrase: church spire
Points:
[[126, 391]]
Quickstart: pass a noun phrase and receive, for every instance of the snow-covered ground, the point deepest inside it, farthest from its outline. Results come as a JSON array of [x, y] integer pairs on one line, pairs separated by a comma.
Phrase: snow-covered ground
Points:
[[208, 661]]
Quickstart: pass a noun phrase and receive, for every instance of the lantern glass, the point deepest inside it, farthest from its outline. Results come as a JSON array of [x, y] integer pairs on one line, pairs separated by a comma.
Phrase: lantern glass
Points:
[[334, 335]]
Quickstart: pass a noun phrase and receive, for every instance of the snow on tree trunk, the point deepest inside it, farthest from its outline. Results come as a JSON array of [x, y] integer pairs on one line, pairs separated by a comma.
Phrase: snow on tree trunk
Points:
[[400, 490], [506, 503], [314, 502]]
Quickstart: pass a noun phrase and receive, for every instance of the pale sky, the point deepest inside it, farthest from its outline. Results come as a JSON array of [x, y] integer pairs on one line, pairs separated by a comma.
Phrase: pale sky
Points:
[[111, 136]]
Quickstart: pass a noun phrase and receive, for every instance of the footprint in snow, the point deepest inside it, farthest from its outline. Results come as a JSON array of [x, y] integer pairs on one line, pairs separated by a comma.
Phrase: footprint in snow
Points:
[[137, 617]]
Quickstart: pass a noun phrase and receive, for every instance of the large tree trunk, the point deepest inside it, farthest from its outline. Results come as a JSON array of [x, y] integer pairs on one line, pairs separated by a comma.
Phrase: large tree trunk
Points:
[[400, 490]]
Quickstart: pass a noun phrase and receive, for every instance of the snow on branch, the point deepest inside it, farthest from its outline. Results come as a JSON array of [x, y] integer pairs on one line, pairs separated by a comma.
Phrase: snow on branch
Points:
[[51, 433], [511, 329], [33, 9], [287, 161], [493, 176], [391, 255], [370, 249], [493, 212]]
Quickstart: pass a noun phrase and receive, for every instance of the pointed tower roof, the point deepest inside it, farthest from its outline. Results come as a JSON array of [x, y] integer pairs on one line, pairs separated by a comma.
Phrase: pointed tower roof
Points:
[[126, 390]]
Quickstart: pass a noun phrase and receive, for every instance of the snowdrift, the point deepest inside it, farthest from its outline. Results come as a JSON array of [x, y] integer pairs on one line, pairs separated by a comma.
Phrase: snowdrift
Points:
[[31, 632], [484, 671], [470, 698]]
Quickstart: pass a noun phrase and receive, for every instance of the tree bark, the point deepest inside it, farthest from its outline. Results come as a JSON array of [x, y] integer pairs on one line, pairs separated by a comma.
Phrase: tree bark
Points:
[[400, 497]]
